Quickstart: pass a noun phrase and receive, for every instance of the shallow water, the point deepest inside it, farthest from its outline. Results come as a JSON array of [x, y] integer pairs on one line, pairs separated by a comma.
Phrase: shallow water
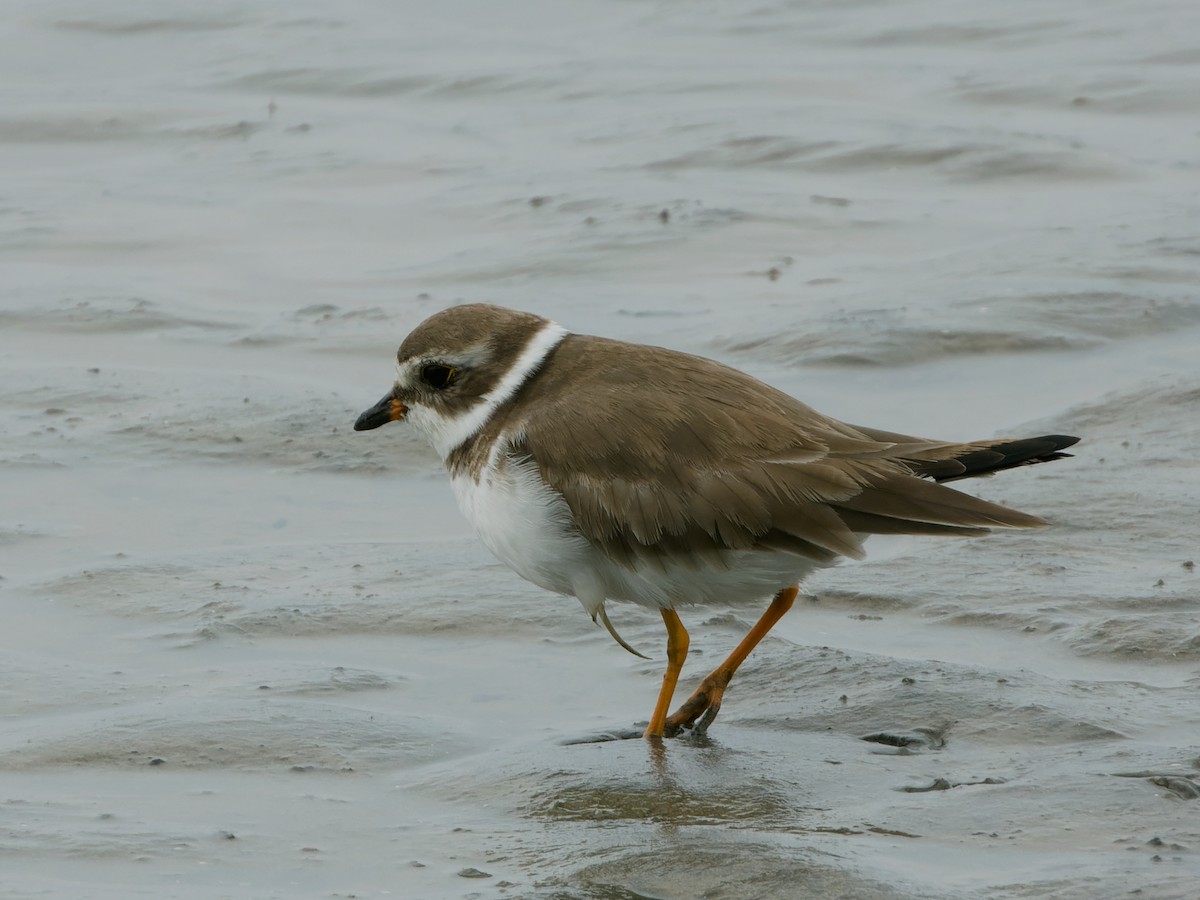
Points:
[[249, 653]]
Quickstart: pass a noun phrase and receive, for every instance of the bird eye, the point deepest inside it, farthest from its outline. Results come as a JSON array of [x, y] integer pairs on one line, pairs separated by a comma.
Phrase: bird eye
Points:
[[436, 375]]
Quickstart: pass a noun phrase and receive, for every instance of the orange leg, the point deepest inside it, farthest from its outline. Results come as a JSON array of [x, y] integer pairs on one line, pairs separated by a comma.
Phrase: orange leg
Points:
[[677, 649], [707, 697]]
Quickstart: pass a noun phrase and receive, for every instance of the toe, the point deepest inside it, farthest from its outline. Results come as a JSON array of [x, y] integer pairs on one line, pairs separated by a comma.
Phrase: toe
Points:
[[707, 719], [689, 712]]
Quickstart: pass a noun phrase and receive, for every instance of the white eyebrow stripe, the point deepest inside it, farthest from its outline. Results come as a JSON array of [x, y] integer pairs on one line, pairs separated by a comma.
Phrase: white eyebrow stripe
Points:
[[472, 356], [447, 433]]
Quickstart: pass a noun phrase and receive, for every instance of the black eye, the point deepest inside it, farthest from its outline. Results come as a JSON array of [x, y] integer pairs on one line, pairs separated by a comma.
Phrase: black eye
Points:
[[436, 375]]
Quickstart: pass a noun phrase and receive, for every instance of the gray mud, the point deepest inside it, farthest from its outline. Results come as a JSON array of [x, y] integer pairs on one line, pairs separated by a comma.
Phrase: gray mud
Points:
[[246, 652]]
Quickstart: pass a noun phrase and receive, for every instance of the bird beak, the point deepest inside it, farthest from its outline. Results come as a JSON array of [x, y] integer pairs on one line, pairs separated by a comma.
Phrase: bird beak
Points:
[[389, 409]]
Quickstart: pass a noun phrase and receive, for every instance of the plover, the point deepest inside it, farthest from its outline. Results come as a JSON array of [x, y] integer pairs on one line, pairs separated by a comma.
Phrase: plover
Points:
[[606, 470]]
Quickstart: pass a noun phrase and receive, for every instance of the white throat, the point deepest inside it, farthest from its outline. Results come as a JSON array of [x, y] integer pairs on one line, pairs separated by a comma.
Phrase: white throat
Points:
[[447, 432]]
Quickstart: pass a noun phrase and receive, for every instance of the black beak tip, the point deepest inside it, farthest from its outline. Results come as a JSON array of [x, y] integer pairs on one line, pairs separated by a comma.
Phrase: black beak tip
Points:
[[365, 423], [379, 414]]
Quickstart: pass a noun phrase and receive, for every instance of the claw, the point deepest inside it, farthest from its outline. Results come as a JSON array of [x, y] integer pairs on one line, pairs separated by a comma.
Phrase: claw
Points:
[[616, 637], [701, 727]]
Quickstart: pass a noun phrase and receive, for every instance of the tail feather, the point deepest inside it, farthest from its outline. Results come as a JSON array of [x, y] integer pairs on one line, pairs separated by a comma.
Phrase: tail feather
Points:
[[904, 504], [949, 462], [1008, 455]]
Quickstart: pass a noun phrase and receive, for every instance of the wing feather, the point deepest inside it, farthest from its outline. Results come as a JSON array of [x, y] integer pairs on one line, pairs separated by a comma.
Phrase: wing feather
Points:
[[665, 458]]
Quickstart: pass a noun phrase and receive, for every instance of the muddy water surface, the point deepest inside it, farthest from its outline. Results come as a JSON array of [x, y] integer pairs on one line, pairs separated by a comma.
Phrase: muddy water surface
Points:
[[246, 652]]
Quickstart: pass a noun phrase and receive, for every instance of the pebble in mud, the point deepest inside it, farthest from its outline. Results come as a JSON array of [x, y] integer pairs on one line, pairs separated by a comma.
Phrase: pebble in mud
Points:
[[1183, 788], [918, 739], [472, 872], [944, 784], [938, 784]]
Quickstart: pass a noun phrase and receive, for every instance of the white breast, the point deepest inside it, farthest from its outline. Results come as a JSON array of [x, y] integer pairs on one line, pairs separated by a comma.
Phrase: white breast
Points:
[[528, 527]]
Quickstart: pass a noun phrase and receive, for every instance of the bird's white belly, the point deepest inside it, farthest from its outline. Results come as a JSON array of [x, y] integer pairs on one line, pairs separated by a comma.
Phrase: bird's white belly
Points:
[[528, 527]]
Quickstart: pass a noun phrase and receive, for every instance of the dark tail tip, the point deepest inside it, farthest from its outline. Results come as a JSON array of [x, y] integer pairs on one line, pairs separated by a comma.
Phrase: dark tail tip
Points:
[[1010, 454]]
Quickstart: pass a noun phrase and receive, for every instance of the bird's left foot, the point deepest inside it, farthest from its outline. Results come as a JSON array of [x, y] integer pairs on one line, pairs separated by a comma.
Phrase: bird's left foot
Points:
[[699, 710]]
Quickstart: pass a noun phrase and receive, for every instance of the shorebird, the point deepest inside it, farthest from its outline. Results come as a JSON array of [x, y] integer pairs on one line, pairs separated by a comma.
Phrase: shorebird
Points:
[[606, 470]]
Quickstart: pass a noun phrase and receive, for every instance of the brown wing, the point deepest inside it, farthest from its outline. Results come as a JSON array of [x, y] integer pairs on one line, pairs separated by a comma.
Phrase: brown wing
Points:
[[661, 454]]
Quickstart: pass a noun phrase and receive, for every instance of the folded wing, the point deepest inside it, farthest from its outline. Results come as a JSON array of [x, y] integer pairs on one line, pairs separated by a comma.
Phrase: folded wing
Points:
[[706, 460]]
